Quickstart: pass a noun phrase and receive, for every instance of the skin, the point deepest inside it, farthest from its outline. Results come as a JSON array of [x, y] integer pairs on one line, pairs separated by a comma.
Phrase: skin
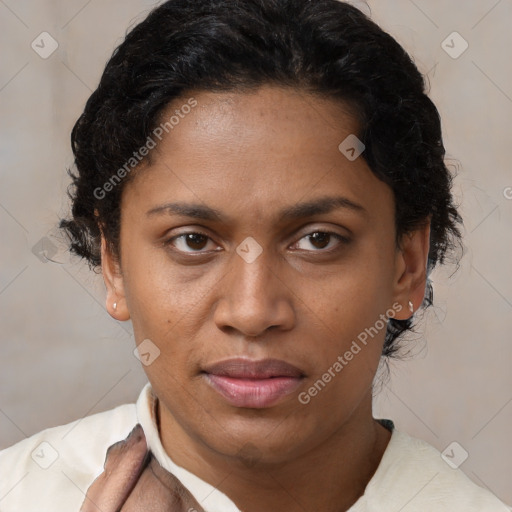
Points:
[[303, 300]]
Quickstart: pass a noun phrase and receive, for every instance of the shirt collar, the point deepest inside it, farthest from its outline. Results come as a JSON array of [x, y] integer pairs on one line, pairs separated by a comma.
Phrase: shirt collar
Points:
[[210, 498]]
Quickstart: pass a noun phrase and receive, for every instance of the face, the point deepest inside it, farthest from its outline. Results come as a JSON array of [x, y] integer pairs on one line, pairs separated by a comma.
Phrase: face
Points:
[[256, 256]]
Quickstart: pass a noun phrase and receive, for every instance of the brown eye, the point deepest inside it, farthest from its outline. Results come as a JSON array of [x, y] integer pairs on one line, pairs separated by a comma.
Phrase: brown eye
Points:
[[189, 242], [195, 241], [321, 240]]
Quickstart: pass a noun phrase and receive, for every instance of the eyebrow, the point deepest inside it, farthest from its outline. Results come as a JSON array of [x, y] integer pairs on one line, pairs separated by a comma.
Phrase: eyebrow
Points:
[[317, 206]]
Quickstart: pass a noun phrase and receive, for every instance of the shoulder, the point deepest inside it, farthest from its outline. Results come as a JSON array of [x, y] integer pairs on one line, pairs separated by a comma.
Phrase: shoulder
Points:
[[414, 476], [51, 470]]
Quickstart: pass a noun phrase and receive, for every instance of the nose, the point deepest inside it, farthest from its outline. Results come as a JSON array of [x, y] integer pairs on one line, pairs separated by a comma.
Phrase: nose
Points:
[[254, 297]]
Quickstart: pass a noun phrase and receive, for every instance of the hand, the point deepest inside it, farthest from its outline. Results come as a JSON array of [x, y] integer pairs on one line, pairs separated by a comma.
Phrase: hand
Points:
[[134, 481], [125, 461]]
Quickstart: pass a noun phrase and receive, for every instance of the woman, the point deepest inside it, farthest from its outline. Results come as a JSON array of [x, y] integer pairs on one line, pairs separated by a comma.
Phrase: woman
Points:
[[262, 185]]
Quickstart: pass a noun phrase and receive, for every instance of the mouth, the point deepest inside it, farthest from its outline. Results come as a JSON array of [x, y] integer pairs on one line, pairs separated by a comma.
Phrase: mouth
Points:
[[253, 384]]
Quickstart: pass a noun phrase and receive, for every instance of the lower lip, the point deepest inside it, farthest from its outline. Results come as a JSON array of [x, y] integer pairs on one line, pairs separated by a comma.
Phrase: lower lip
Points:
[[253, 393]]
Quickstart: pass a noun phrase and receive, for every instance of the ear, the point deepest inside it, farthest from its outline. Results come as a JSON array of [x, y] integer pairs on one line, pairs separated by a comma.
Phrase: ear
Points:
[[114, 284], [411, 270]]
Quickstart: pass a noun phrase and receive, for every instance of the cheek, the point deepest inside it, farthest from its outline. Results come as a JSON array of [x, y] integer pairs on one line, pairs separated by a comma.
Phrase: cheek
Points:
[[167, 306], [347, 346], [347, 319], [156, 292], [354, 299]]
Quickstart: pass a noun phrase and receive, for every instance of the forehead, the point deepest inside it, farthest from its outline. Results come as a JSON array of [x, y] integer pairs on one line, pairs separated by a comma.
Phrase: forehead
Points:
[[272, 115], [262, 149]]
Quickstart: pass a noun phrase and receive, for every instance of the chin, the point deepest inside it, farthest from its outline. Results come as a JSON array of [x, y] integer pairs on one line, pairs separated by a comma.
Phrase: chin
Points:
[[255, 442]]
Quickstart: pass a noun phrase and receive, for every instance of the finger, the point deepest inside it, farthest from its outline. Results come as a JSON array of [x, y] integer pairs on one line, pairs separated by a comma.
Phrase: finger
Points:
[[124, 463], [157, 490]]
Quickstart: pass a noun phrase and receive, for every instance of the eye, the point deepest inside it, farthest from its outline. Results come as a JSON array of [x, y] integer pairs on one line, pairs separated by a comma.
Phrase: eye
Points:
[[321, 239], [193, 240], [196, 242]]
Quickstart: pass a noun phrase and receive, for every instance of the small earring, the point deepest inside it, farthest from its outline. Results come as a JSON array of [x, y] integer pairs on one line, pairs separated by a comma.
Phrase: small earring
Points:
[[114, 306], [411, 307]]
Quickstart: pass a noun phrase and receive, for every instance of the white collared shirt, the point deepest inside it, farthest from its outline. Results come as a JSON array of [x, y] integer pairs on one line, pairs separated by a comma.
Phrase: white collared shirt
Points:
[[52, 470]]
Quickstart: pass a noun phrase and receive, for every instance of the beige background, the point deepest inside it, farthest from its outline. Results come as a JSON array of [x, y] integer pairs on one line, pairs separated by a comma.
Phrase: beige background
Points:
[[62, 357]]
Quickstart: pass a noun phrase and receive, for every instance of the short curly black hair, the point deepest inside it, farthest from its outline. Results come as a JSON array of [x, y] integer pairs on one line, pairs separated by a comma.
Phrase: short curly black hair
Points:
[[325, 47]]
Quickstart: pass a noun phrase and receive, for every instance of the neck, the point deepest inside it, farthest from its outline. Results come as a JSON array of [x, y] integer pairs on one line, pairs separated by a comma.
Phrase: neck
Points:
[[331, 477]]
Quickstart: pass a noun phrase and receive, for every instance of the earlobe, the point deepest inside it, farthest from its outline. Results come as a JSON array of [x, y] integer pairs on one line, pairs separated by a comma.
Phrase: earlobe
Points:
[[113, 279], [411, 278]]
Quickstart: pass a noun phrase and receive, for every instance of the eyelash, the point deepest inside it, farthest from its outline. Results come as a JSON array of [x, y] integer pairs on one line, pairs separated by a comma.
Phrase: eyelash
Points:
[[342, 239]]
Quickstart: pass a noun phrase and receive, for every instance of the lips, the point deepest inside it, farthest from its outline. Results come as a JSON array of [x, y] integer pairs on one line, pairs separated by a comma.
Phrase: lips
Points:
[[253, 384]]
